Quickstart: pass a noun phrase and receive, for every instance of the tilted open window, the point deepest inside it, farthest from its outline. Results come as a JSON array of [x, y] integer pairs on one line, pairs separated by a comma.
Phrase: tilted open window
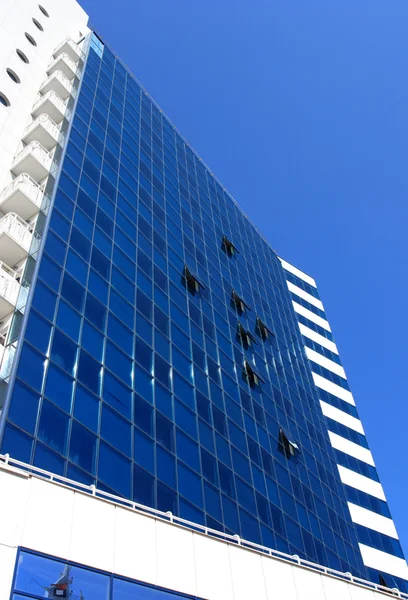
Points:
[[193, 282], [246, 336], [264, 331], [239, 302], [254, 377], [229, 247], [288, 446]]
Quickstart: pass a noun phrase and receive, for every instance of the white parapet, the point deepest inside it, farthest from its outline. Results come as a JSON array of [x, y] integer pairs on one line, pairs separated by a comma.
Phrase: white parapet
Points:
[[15, 239], [103, 532], [58, 83], [23, 196], [35, 160], [69, 47], [65, 64], [9, 289], [44, 130], [52, 105]]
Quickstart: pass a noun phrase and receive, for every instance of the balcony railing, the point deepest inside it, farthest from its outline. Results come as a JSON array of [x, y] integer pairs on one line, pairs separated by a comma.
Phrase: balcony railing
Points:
[[44, 130], [68, 46], [18, 229], [65, 64], [52, 105], [9, 289], [58, 83], [35, 160], [23, 196]]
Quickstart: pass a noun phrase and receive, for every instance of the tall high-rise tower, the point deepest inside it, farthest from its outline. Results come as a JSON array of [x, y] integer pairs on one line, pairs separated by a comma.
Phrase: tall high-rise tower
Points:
[[155, 348]]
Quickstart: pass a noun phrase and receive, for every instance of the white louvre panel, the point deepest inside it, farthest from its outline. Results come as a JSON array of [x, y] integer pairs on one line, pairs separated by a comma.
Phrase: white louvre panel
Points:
[[341, 417], [362, 483], [298, 273], [308, 314], [372, 520], [350, 448], [319, 339], [302, 294], [328, 364], [384, 562], [334, 389]]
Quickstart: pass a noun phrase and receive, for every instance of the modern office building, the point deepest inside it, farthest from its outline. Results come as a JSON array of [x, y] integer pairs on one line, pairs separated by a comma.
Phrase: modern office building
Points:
[[175, 419]]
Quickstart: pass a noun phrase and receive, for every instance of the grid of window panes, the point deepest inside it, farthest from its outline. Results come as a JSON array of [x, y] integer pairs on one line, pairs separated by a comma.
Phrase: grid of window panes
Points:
[[38, 576], [132, 372]]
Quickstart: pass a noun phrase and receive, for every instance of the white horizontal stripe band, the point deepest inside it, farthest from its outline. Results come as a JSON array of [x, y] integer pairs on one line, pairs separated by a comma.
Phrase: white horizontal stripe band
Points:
[[332, 388], [384, 562], [325, 362], [368, 518], [302, 294], [341, 417], [301, 310], [350, 448], [319, 339], [362, 483], [298, 273]]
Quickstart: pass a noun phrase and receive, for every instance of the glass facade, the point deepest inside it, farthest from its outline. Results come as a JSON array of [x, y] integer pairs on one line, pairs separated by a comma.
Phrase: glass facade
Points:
[[161, 357], [39, 576]]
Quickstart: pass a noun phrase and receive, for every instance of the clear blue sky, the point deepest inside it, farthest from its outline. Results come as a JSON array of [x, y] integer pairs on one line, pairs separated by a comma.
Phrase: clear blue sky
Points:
[[301, 110]]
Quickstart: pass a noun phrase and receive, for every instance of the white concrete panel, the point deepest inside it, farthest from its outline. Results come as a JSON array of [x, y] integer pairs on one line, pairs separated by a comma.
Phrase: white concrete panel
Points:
[[298, 272], [43, 524], [372, 520], [335, 589], [279, 579], [213, 557], [92, 536], [387, 563], [319, 339], [341, 417], [350, 448], [175, 558], [360, 482], [325, 362], [7, 563], [13, 504], [305, 312], [307, 586], [360, 593], [302, 294], [333, 388], [135, 546], [244, 563]]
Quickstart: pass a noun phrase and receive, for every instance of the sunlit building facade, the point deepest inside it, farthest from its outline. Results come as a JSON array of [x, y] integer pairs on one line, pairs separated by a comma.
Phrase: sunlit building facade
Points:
[[154, 346]]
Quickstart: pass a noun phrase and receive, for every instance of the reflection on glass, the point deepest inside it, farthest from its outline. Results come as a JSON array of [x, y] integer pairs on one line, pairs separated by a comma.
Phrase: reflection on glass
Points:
[[48, 578], [43, 577]]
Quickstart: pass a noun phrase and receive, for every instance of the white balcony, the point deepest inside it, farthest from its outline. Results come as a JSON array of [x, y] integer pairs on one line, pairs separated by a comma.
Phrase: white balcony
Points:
[[9, 289], [68, 46], [15, 239], [65, 64], [58, 83], [52, 105], [22, 196], [34, 160], [43, 130]]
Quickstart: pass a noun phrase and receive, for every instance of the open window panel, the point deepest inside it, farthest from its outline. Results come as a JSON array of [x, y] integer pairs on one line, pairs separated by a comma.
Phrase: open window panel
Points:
[[246, 336], [253, 376], [194, 284], [288, 446], [263, 330], [239, 302], [229, 247]]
